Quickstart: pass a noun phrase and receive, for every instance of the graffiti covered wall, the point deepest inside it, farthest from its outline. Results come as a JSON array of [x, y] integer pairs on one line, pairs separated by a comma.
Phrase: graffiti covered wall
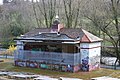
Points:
[[94, 58], [42, 65], [90, 56], [84, 59]]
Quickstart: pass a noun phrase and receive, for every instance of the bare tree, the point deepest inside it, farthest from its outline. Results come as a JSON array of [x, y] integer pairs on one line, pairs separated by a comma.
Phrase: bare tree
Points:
[[105, 16], [71, 12], [47, 8], [116, 10], [35, 13]]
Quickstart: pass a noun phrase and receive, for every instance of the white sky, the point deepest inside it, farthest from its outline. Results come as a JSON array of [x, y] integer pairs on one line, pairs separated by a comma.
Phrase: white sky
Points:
[[1, 2]]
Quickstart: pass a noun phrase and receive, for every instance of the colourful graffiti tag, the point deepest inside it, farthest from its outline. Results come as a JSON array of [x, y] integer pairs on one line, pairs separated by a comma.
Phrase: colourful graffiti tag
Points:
[[85, 60], [85, 66], [70, 68], [33, 64], [94, 62], [21, 63], [76, 68], [44, 66]]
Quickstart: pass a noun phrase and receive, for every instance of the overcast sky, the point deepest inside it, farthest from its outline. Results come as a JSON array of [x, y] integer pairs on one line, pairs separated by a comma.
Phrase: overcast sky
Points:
[[1, 1]]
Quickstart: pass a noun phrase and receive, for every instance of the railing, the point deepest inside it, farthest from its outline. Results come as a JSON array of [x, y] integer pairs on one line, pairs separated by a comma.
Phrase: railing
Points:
[[48, 57]]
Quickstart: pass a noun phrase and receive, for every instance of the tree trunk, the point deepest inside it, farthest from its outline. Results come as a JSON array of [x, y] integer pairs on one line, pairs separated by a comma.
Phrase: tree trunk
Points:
[[119, 61], [45, 13], [117, 56], [119, 48], [35, 14], [115, 63]]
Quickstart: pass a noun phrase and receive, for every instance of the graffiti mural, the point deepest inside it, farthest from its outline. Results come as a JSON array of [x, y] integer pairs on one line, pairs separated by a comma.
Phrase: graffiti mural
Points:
[[85, 60], [76, 68], [44, 66], [94, 62], [69, 68], [21, 63], [85, 65], [33, 64]]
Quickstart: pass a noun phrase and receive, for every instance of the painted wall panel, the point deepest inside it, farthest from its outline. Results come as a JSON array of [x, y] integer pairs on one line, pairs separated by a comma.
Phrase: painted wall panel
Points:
[[94, 51], [84, 59], [96, 44], [90, 45], [94, 58], [84, 45], [90, 55]]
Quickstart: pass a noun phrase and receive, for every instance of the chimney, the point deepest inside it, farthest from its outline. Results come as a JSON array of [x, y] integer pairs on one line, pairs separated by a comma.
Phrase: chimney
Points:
[[60, 26], [56, 26]]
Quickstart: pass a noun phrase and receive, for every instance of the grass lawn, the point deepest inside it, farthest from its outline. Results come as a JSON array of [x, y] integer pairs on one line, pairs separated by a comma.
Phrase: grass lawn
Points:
[[8, 65]]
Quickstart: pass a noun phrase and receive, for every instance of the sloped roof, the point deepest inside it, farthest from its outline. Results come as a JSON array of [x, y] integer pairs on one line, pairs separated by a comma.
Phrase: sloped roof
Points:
[[81, 34], [37, 31], [88, 37], [71, 32], [52, 36]]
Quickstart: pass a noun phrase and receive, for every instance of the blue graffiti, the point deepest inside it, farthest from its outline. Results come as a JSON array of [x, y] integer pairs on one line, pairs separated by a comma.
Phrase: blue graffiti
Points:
[[85, 66]]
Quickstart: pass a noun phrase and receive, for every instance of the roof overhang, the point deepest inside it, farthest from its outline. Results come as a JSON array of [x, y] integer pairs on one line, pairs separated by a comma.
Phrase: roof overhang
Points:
[[76, 42], [42, 39], [57, 41]]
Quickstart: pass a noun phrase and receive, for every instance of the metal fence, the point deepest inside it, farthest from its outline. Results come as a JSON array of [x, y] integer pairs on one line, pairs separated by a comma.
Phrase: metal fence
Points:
[[48, 57]]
